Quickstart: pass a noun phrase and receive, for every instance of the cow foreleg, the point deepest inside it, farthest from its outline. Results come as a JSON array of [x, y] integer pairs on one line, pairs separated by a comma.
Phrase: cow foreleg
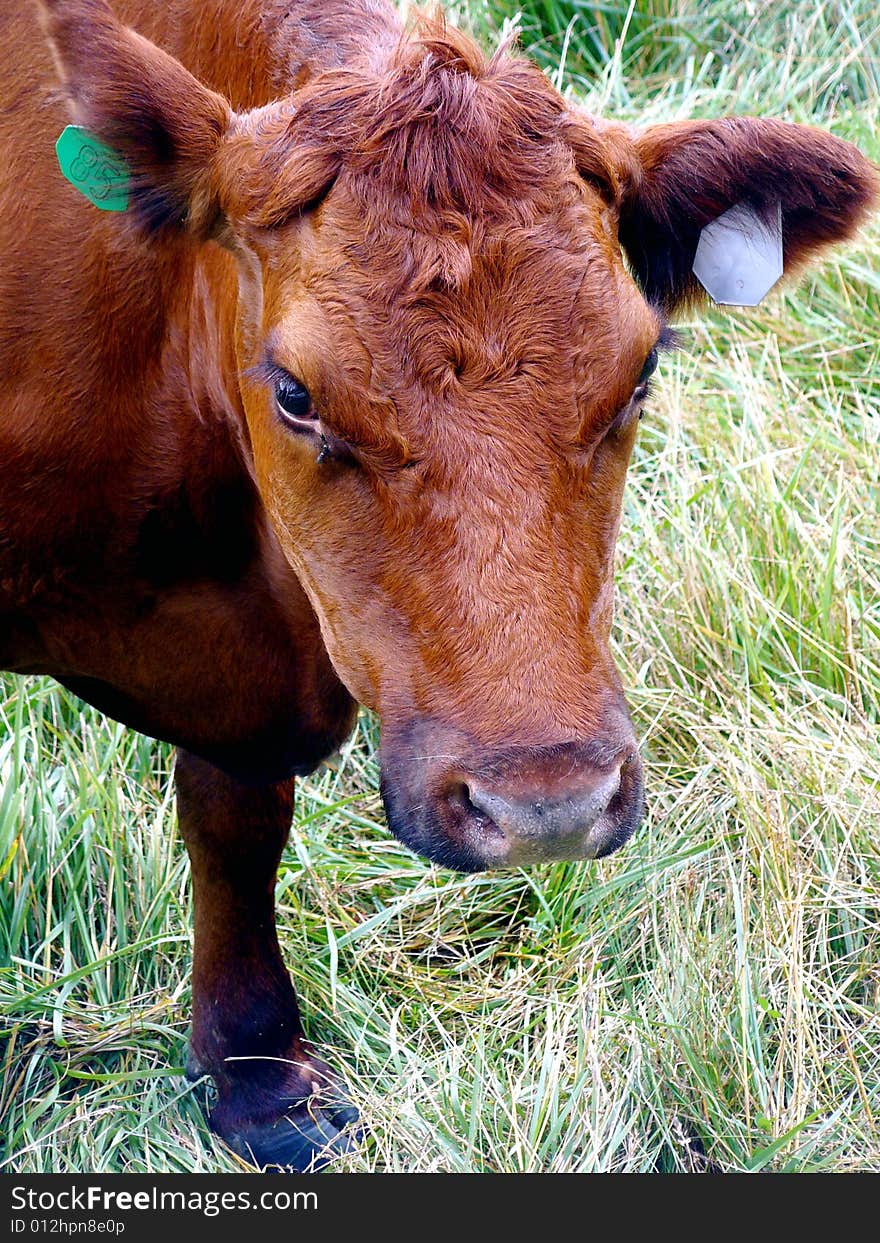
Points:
[[277, 1104]]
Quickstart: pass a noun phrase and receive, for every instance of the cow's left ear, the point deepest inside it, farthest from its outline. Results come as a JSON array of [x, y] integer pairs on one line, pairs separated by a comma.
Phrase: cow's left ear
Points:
[[676, 178], [166, 125]]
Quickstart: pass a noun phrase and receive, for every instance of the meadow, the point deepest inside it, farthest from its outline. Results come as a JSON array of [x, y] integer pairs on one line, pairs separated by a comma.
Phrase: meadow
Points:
[[707, 999]]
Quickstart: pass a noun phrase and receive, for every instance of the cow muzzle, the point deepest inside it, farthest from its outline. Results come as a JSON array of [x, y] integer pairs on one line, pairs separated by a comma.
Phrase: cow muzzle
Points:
[[472, 810]]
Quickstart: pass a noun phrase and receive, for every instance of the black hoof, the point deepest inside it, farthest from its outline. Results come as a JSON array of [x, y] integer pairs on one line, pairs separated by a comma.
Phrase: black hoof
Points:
[[306, 1139]]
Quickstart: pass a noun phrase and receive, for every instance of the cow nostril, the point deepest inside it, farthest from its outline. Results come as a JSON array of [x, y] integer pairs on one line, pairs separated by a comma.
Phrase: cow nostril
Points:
[[483, 806], [459, 795], [481, 803], [468, 798]]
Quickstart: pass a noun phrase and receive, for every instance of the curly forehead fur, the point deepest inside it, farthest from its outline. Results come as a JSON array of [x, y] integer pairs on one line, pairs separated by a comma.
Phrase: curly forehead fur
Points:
[[443, 130]]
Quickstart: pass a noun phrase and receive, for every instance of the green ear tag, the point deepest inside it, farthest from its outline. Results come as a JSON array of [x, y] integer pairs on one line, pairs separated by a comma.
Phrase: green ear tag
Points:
[[92, 168]]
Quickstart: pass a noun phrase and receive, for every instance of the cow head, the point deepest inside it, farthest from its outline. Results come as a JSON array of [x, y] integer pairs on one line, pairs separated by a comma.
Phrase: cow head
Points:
[[453, 290]]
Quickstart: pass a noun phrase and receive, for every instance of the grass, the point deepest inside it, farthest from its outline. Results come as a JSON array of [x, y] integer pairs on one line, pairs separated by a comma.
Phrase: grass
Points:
[[707, 999]]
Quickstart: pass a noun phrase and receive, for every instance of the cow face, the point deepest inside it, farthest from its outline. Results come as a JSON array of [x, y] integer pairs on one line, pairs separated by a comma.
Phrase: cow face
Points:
[[453, 290]]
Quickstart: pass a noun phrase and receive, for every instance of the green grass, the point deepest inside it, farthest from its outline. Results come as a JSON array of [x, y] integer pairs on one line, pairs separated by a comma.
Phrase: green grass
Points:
[[708, 998]]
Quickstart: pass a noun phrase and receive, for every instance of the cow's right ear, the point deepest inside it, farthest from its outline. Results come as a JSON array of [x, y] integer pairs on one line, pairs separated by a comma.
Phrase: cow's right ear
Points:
[[143, 104]]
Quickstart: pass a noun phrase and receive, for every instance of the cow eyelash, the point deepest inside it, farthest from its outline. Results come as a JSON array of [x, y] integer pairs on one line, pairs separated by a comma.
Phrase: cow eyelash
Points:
[[644, 393], [669, 340], [267, 373]]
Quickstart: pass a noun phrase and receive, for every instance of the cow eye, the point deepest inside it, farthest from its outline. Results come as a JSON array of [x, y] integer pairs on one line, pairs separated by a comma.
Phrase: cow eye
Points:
[[295, 403], [649, 368], [641, 390]]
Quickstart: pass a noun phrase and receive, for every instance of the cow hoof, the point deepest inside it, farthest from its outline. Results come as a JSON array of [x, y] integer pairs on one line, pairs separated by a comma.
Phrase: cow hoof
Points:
[[318, 1124], [304, 1140]]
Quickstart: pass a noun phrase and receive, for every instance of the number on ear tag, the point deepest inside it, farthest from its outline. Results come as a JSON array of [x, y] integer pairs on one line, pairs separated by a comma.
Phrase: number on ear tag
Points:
[[93, 168], [739, 255]]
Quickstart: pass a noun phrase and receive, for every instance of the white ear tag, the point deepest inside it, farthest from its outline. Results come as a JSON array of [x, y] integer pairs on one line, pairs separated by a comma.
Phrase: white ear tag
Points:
[[739, 255]]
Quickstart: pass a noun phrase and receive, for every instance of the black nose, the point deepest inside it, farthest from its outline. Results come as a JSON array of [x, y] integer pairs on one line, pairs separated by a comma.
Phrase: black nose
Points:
[[577, 800]]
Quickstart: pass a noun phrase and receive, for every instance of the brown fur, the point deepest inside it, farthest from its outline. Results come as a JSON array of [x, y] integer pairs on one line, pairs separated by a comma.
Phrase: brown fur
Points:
[[437, 245]]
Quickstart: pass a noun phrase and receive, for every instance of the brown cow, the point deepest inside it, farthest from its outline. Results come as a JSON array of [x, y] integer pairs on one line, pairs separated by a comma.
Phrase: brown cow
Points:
[[341, 410]]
